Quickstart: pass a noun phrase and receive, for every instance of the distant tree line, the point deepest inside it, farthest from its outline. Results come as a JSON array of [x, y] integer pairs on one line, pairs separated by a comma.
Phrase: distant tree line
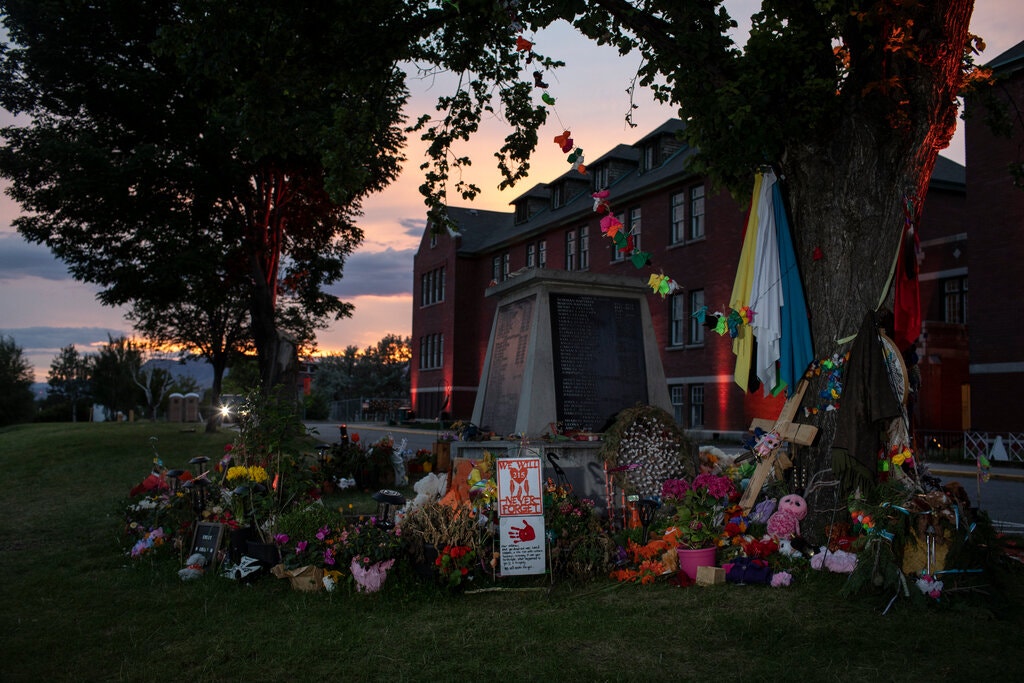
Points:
[[378, 371], [118, 379]]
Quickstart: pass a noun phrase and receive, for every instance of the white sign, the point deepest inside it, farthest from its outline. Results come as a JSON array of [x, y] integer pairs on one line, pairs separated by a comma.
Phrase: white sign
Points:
[[521, 510], [522, 545]]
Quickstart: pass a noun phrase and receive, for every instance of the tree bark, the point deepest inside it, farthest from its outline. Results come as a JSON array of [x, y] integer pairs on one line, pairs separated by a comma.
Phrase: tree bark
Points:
[[847, 196]]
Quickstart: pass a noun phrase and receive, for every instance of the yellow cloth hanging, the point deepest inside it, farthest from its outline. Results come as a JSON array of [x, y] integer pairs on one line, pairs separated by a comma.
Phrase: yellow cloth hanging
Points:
[[743, 344]]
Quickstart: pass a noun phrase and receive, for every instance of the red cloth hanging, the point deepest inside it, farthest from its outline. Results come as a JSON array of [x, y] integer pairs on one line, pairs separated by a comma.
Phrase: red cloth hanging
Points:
[[907, 297]]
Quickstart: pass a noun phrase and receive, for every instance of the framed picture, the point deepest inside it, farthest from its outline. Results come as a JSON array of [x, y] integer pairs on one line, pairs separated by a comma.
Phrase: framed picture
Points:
[[206, 541]]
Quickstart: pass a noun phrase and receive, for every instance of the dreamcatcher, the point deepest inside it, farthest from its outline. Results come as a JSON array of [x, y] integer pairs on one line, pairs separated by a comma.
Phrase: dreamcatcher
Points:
[[897, 440]]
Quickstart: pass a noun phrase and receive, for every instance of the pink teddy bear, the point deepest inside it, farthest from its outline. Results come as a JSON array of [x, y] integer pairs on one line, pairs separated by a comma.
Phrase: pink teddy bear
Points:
[[785, 522]]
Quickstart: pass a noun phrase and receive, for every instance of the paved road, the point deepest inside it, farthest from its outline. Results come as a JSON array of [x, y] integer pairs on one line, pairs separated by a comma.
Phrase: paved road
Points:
[[328, 432], [1002, 496]]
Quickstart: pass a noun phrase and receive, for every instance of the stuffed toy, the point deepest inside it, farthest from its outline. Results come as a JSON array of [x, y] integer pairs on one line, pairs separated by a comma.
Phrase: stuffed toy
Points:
[[749, 570], [714, 460], [763, 511], [195, 565], [838, 561], [785, 522], [428, 489]]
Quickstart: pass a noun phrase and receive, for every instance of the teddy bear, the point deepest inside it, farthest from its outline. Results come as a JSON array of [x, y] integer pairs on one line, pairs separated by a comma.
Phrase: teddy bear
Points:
[[785, 522], [194, 567], [428, 489]]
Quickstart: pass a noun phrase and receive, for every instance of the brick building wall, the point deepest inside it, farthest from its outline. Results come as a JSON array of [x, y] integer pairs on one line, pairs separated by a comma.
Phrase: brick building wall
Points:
[[649, 181], [996, 259]]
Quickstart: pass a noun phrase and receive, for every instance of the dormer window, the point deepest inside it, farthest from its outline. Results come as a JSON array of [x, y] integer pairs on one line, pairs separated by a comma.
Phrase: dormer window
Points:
[[650, 156], [522, 212], [600, 177], [557, 195]]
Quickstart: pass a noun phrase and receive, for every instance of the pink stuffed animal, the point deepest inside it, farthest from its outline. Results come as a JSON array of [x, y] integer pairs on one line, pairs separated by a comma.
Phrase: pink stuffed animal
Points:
[[785, 522]]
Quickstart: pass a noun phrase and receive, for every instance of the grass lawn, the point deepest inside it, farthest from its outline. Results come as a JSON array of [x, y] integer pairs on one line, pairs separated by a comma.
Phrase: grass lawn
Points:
[[75, 608]]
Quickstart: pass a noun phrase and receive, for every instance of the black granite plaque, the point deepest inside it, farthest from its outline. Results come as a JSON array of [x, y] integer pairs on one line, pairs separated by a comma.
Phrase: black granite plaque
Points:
[[598, 350], [513, 324]]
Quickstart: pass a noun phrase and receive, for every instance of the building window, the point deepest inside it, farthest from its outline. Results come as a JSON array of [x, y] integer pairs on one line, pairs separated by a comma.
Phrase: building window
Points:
[[600, 177], [432, 287], [678, 220], [650, 157], [570, 250], [696, 405], [522, 212], [696, 328], [433, 239], [584, 248], [676, 320], [954, 299], [500, 267], [531, 255], [431, 351], [542, 254], [697, 213], [634, 226], [557, 195], [677, 392]]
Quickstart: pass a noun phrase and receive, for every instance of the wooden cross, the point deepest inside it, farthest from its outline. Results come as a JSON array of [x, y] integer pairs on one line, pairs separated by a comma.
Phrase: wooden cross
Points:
[[788, 431]]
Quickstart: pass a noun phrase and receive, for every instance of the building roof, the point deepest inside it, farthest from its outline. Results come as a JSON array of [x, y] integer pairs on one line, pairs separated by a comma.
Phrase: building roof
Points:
[[486, 230], [948, 173], [482, 231], [1011, 60], [478, 228]]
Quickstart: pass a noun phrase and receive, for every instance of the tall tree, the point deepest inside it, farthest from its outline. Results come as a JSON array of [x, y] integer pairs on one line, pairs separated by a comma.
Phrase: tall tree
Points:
[[161, 131], [850, 101], [69, 377], [155, 384], [114, 372], [16, 401], [209, 322], [386, 367]]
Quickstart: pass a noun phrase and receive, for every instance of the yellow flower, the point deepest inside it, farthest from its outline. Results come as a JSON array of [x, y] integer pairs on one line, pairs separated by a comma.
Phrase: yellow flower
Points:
[[255, 474]]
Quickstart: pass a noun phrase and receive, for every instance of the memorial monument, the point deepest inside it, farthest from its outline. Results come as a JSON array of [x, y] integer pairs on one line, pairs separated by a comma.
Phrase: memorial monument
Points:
[[572, 348]]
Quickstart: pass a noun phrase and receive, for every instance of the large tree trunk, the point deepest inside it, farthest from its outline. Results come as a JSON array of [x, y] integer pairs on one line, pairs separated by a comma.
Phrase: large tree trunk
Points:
[[847, 195]]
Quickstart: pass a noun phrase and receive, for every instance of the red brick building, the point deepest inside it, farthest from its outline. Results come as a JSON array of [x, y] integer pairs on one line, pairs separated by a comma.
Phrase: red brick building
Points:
[[995, 209], [693, 234]]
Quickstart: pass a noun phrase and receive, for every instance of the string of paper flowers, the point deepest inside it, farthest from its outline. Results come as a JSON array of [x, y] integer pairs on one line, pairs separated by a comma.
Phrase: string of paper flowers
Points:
[[611, 227]]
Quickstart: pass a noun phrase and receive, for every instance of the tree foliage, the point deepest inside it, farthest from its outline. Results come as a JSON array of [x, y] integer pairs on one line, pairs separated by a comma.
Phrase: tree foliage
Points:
[[16, 401], [378, 371], [114, 376], [242, 134], [69, 378]]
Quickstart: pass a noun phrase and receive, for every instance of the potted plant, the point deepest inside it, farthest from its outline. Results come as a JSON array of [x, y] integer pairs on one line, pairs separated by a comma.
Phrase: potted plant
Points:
[[698, 520], [372, 549]]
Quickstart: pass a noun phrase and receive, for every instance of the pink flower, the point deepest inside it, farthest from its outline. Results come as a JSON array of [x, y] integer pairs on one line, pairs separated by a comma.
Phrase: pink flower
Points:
[[300, 547], [281, 539]]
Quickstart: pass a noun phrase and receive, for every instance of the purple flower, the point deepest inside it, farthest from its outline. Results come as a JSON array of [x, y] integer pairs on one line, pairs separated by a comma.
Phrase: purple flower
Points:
[[281, 539], [300, 547], [323, 533], [329, 557]]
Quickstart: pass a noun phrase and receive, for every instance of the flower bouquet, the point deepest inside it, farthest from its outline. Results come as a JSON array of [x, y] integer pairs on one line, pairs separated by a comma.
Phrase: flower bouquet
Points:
[[698, 521], [372, 549]]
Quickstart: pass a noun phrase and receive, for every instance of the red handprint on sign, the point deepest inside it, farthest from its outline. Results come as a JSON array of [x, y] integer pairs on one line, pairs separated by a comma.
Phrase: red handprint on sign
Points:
[[522, 534]]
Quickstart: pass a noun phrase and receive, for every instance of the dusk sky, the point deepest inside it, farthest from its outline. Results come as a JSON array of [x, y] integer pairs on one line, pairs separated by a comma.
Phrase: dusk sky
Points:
[[43, 309]]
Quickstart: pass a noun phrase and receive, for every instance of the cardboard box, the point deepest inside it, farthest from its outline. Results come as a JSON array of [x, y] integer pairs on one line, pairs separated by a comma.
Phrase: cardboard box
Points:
[[710, 576]]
